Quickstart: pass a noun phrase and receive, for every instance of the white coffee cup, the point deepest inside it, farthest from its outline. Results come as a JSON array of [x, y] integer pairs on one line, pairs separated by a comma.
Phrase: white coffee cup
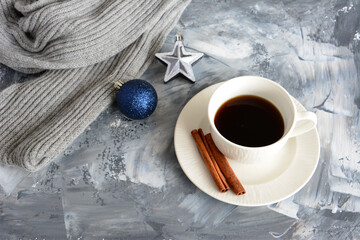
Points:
[[295, 123]]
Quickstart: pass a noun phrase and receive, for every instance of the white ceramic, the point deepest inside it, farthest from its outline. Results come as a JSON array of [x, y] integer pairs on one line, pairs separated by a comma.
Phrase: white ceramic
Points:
[[266, 182], [296, 122]]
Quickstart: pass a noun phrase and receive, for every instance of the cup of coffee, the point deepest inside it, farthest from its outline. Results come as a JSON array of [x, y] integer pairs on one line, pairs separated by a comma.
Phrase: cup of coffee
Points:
[[251, 118]]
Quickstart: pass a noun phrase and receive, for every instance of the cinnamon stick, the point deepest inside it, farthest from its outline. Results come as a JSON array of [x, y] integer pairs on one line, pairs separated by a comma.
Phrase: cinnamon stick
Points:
[[206, 157], [219, 173], [225, 167]]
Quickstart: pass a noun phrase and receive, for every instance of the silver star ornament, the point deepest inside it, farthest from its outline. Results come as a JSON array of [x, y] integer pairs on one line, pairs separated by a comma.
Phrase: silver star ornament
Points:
[[179, 61]]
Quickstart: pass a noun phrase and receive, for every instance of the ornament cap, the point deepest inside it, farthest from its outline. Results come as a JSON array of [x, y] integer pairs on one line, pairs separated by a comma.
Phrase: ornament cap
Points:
[[118, 84], [179, 37]]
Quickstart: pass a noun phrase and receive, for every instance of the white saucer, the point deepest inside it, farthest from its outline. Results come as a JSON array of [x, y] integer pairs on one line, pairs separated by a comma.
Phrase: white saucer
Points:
[[265, 183]]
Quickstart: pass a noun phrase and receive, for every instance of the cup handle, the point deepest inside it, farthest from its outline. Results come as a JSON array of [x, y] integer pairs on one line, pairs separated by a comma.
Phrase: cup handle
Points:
[[305, 121]]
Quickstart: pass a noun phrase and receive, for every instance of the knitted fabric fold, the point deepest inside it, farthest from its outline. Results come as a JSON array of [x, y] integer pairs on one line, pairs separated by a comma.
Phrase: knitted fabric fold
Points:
[[82, 46]]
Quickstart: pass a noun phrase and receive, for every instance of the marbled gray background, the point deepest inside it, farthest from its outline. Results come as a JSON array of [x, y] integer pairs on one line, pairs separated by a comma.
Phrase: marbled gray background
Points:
[[121, 180]]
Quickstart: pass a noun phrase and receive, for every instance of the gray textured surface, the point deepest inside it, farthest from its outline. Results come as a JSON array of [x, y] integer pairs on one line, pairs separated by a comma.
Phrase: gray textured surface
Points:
[[121, 179]]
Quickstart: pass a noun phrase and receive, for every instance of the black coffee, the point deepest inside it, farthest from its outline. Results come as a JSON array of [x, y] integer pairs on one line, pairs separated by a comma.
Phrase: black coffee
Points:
[[249, 121]]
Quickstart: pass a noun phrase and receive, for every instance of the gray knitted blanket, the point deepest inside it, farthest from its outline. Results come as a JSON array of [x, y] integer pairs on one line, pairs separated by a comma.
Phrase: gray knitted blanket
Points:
[[83, 46]]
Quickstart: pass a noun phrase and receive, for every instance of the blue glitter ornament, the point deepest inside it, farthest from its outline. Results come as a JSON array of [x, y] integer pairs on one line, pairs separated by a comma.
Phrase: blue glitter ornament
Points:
[[136, 99]]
